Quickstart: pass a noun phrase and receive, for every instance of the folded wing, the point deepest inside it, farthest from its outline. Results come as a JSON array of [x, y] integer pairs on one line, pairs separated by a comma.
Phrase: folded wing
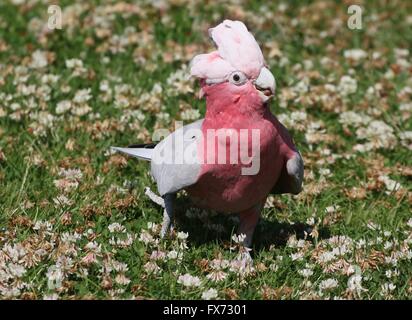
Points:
[[175, 162]]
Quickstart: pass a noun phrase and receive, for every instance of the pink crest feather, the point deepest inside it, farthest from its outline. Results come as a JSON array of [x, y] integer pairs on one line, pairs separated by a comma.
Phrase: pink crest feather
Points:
[[237, 51], [210, 66]]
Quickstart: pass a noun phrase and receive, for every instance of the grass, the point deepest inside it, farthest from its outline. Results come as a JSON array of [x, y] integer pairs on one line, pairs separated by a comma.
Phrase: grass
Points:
[[59, 235]]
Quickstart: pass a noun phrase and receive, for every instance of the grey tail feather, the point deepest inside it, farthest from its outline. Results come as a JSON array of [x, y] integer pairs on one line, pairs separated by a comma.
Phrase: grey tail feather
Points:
[[141, 153], [143, 145]]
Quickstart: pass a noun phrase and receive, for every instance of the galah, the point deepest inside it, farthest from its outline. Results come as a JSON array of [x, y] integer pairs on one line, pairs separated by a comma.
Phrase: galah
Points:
[[237, 86]]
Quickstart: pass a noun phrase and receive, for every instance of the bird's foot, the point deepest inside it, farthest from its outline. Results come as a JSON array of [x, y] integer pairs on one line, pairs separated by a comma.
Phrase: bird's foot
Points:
[[166, 231], [245, 258], [167, 203]]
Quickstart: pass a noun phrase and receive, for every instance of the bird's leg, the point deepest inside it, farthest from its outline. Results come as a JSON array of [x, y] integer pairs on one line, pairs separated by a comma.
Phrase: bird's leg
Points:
[[154, 197], [248, 221], [167, 223]]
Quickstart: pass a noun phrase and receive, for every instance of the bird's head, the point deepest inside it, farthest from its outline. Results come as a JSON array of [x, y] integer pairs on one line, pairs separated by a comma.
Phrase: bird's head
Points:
[[236, 70]]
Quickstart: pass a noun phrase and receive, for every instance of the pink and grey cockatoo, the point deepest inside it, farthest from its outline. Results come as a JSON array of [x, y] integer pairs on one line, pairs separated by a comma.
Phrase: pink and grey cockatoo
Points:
[[237, 86]]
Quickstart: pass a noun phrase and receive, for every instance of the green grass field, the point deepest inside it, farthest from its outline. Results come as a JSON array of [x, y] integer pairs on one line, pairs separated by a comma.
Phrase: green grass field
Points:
[[74, 220]]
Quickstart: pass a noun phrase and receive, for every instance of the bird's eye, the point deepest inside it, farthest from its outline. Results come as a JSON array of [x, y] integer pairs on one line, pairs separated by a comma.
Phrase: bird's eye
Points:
[[238, 78]]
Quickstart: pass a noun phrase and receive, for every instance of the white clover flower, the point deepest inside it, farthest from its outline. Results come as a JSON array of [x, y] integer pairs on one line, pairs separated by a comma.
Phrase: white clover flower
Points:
[[403, 63], [391, 260], [217, 275], [104, 86], [373, 226], [218, 264], [209, 294], [297, 256], [158, 255], [16, 270], [308, 64], [347, 86], [332, 209], [389, 273], [351, 269], [327, 257], [44, 120], [361, 243], [173, 254], [325, 172], [292, 242], [330, 87], [122, 243], [74, 63], [164, 116], [190, 114], [299, 116], [15, 106], [55, 277], [311, 221], [93, 246], [189, 281], [152, 226], [69, 237], [152, 267], [401, 53], [387, 288], [354, 119], [389, 75], [306, 273], [64, 262], [239, 238], [43, 226], [355, 54], [328, 284], [53, 296], [116, 227], [388, 245], [39, 59], [146, 237], [63, 106], [302, 86], [119, 266], [65, 184], [379, 135], [355, 284], [122, 279], [406, 139], [391, 185], [62, 200], [182, 235], [70, 173], [406, 107], [81, 110], [49, 78], [82, 96], [179, 81]]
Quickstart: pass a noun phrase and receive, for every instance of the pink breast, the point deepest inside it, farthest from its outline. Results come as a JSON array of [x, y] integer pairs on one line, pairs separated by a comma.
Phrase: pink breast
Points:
[[222, 187]]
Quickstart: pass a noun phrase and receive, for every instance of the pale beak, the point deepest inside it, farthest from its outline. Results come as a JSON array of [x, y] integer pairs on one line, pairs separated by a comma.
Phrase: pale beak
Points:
[[265, 84]]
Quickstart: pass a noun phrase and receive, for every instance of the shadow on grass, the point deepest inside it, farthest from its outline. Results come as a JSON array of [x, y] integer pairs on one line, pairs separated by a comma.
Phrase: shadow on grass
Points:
[[207, 228]]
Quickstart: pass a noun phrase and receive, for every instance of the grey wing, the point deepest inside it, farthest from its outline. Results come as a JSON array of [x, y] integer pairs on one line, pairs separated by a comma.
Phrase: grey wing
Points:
[[291, 177], [175, 163]]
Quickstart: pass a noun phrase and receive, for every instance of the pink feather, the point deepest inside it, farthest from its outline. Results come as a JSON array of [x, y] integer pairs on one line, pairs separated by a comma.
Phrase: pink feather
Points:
[[210, 66], [237, 51]]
